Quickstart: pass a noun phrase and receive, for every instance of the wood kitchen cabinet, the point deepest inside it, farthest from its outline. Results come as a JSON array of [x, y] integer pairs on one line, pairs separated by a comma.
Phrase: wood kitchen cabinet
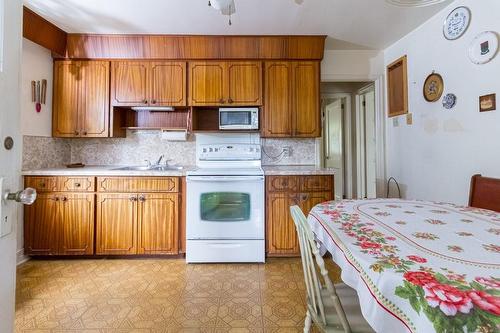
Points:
[[225, 83], [137, 215], [81, 99], [292, 99], [148, 83], [59, 222], [283, 192]]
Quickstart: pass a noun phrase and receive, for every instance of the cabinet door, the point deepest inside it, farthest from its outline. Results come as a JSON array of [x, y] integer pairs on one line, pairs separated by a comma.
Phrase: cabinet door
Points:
[[129, 85], [158, 225], [65, 117], [306, 105], [116, 227], [41, 227], [281, 233], [245, 83], [168, 83], [207, 83], [94, 99], [76, 224], [277, 120], [308, 200]]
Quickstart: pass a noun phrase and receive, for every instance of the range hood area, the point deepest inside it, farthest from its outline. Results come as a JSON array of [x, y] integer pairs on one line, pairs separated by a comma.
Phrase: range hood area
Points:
[[153, 108]]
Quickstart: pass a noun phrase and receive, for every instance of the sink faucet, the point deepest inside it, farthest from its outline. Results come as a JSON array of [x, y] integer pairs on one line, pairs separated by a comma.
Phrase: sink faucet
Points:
[[159, 160]]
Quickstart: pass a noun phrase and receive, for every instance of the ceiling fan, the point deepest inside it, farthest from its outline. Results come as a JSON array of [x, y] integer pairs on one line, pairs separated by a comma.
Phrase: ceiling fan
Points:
[[414, 3], [228, 7]]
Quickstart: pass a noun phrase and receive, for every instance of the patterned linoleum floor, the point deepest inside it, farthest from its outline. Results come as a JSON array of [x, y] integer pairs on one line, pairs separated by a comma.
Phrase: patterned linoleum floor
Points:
[[160, 295]]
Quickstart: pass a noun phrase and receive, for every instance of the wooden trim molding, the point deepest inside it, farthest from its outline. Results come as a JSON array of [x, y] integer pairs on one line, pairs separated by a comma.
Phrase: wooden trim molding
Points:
[[184, 47], [42, 32]]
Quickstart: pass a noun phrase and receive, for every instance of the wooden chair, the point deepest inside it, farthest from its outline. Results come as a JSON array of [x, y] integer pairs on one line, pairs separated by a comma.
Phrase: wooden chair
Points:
[[485, 193], [324, 299]]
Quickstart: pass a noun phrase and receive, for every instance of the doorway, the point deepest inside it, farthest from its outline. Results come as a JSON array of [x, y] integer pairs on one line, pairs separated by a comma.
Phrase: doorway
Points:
[[349, 144]]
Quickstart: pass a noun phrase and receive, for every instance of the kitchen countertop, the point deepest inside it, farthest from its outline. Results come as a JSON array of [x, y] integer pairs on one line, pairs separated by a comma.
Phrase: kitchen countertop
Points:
[[290, 170], [110, 170], [103, 170]]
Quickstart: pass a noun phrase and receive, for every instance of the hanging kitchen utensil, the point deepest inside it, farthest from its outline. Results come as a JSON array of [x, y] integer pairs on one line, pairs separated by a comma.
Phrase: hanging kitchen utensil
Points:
[[44, 92], [38, 106], [33, 91]]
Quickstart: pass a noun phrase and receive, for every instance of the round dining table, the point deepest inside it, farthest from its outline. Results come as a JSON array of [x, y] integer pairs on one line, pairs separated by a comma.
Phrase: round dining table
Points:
[[417, 266]]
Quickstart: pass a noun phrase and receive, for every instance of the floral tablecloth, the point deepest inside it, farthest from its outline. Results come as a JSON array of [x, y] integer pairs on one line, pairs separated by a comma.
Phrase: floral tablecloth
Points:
[[417, 266]]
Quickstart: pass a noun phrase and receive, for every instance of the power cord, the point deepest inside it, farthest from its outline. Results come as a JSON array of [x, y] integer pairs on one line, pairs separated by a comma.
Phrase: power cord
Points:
[[277, 158], [397, 185]]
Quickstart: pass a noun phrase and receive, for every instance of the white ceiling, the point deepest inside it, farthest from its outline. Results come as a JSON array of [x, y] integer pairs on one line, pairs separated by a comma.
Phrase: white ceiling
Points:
[[349, 24]]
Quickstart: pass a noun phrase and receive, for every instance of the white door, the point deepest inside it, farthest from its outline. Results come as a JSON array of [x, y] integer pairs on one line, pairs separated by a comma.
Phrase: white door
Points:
[[10, 160], [333, 143], [366, 144]]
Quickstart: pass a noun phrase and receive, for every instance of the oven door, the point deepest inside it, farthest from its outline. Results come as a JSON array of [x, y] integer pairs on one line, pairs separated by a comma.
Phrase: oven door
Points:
[[225, 207]]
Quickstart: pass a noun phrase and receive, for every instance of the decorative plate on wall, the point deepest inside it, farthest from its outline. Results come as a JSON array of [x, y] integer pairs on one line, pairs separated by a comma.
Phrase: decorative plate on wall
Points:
[[433, 87], [449, 101], [484, 47], [456, 23]]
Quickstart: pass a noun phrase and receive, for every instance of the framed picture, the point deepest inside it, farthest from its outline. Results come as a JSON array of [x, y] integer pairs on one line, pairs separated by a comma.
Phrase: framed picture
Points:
[[488, 102]]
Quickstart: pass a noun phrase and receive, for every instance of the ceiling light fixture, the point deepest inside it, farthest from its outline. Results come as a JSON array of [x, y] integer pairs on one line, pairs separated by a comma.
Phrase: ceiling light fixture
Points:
[[226, 7], [414, 3]]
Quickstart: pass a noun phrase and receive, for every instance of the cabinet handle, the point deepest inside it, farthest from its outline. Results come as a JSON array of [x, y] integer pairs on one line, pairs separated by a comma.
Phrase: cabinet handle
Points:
[[42, 185], [230, 101], [78, 184], [64, 199], [304, 197], [55, 198], [222, 101], [153, 101], [142, 198], [133, 198], [145, 101], [77, 133], [85, 133]]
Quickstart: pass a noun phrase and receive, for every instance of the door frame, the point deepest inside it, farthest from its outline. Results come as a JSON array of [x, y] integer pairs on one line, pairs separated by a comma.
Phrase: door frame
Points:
[[348, 142], [380, 124], [361, 141]]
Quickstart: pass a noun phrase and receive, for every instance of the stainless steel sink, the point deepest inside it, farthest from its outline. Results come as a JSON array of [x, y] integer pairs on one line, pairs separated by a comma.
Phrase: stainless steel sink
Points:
[[151, 168]]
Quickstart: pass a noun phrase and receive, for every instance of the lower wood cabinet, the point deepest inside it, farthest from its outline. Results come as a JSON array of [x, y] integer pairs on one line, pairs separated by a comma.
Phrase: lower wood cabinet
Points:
[[120, 220], [132, 223], [60, 224], [283, 192]]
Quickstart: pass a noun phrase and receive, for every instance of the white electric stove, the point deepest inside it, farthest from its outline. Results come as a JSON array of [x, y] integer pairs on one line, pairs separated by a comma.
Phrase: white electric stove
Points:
[[225, 200]]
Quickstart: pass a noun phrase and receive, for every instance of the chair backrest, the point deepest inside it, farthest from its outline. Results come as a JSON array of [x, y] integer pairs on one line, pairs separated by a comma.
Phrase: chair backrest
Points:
[[485, 193], [314, 286]]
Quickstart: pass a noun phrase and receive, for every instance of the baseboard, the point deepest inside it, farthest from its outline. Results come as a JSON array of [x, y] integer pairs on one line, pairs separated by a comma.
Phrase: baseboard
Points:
[[20, 257]]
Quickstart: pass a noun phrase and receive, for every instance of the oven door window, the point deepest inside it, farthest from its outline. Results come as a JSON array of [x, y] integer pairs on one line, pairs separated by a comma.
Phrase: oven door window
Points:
[[235, 118], [225, 206]]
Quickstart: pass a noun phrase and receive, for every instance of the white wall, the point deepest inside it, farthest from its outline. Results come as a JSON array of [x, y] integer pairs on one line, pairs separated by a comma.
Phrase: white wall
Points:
[[36, 65], [435, 158], [351, 65]]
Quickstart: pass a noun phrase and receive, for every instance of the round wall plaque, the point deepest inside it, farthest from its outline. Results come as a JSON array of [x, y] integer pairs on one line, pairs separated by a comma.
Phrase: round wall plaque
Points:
[[433, 87], [8, 143]]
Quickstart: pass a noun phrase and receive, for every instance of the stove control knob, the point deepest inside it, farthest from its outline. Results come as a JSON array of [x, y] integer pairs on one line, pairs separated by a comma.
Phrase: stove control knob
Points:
[[210, 149], [204, 150]]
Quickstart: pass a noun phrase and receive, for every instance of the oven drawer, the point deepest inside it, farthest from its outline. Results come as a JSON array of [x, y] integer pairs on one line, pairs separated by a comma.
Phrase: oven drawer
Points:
[[225, 251], [137, 184]]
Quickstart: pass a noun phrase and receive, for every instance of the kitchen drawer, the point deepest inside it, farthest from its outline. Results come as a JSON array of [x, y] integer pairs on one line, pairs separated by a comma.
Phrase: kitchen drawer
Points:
[[76, 184], [138, 184], [282, 183], [316, 183], [41, 184]]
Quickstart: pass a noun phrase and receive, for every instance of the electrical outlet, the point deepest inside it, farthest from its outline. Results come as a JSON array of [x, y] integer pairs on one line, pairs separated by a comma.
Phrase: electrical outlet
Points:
[[287, 151]]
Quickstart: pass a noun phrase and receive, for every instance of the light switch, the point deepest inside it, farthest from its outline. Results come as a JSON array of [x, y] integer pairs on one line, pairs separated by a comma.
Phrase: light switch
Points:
[[395, 122], [409, 119]]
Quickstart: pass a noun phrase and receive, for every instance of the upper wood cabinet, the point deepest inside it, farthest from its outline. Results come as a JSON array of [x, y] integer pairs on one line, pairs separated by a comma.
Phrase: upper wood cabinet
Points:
[[292, 99], [143, 83], [81, 99], [228, 83]]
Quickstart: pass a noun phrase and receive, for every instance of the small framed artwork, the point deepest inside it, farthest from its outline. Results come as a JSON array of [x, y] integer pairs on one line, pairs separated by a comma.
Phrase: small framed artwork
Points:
[[397, 87], [488, 103]]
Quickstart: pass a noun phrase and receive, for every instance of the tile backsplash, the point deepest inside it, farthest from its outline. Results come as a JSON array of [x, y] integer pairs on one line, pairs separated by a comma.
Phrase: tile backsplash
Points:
[[43, 152]]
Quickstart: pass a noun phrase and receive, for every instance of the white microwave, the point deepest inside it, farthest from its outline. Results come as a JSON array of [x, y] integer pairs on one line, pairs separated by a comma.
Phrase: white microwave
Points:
[[238, 118]]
